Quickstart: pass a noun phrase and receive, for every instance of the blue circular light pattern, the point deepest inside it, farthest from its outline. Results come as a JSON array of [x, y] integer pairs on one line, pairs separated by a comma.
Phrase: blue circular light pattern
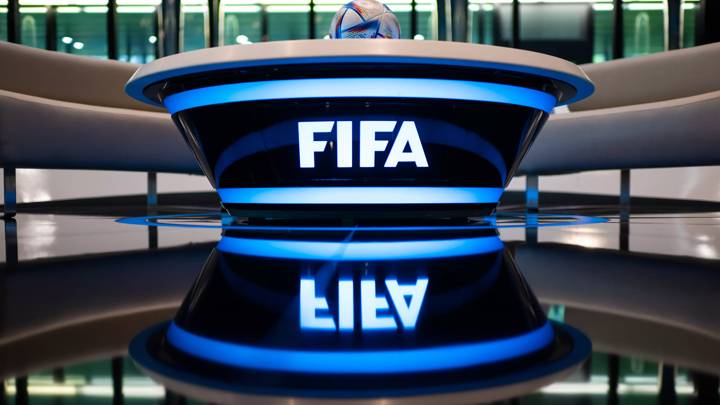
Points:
[[377, 87], [360, 361], [364, 251]]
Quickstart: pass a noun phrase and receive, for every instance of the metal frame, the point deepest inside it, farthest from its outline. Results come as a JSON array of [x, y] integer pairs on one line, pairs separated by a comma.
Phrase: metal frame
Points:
[[13, 21], [51, 29], [21, 390], [152, 208], [673, 24], [624, 242], [311, 20], [169, 27], [112, 43], [442, 22], [213, 23], [413, 19], [11, 246], [668, 394], [152, 194], [459, 17], [625, 189], [515, 41], [618, 31], [532, 192], [613, 368], [708, 27], [264, 32], [116, 367], [9, 193]]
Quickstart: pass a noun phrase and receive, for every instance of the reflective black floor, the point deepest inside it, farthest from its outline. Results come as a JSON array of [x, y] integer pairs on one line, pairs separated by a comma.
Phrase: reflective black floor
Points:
[[76, 289]]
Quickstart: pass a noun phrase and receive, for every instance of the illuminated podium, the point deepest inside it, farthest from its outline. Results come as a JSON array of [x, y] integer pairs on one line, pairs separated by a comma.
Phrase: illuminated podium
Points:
[[299, 314], [359, 129], [380, 128]]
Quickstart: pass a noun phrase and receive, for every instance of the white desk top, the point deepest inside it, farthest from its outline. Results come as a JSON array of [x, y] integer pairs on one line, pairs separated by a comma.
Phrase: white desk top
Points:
[[361, 50]]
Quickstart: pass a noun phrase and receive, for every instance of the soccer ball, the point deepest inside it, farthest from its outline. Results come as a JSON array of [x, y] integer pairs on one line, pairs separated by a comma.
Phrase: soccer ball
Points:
[[364, 19]]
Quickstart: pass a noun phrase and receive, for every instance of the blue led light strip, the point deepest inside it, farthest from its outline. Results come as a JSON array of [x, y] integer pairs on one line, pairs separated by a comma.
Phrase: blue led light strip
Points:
[[361, 195], [360, 87], [349, 251], [360, 361]]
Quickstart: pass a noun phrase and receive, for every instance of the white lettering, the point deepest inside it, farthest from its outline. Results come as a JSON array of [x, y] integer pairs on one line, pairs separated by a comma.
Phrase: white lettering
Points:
[[344, 144], [370, 304], [407, 136], [307, 143], [368, 144], [309, 306], [375, 309], [408, 313], [346, 311]]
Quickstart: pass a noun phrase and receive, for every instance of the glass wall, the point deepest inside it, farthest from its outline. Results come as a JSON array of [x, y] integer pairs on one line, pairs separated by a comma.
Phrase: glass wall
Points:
[[3, 17], [240, 22], [578, 30], [137, 30], [193, 24], [80, 27], [481, 22], [33, 23], [324, 12], [689, 14], [490, 22], [248, 21], [426, 19], [644, 27], [82, 30], [561, 29], [287, 19], [603, 27], [403, 11]]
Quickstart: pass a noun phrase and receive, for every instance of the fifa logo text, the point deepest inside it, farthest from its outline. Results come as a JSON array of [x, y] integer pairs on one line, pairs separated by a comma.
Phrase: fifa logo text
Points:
[[375, 307], [406, 147]]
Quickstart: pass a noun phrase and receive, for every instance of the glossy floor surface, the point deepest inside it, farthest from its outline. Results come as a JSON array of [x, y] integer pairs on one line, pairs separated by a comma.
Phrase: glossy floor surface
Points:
[[644, 289]]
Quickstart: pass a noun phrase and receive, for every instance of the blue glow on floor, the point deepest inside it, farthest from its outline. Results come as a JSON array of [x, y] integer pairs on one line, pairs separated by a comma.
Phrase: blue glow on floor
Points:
[[329, 88], [361, 195], [353, 251], [361, 361]]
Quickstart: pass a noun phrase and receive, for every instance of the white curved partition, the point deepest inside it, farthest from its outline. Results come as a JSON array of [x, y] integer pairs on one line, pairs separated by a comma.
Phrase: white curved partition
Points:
[[658, 77], [398, 51], [674, 133], [72, 291], [675, 291], [37, 132], [65, 77], [628, 336], [647, 112]]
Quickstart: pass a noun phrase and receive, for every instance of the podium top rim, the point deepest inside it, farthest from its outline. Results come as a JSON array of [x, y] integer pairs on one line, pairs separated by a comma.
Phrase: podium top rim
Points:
[[320, 51]]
